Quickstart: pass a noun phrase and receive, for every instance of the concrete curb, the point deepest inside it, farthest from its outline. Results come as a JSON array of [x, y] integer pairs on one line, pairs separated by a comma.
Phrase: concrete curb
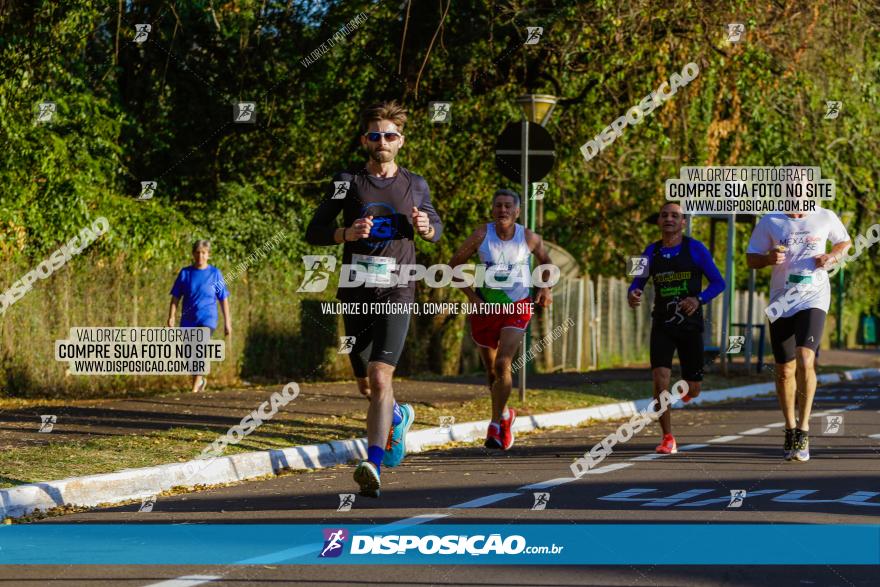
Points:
[[133, 484]]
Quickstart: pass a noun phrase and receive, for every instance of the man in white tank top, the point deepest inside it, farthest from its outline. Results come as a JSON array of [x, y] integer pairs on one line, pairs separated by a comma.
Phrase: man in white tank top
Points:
[[504, 248]]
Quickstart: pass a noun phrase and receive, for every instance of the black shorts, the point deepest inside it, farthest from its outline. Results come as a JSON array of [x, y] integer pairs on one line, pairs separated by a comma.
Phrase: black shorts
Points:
[[801, 329], [665, 341], [377, 338]]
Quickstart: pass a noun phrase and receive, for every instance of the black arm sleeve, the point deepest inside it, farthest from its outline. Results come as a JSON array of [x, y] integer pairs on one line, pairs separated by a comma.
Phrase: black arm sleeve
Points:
[[323, 224], [428, 208]]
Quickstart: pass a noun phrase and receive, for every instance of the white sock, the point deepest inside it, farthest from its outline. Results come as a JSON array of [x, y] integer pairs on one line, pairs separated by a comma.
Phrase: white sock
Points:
[[505, 415]]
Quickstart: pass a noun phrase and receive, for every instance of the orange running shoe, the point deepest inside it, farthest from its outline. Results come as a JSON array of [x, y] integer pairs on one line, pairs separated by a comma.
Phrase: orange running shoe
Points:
[[667, 446]]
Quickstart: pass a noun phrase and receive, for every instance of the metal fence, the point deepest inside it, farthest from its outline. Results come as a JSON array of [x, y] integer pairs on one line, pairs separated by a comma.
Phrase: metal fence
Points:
[[595, 328]]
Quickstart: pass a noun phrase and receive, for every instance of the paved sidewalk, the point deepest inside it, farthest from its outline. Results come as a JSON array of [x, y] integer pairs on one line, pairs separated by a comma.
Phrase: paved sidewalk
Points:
[[217, 410], [850, 358]]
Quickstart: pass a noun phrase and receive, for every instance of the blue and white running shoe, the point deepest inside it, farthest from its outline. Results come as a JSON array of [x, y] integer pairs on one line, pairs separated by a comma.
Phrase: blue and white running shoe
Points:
[[395, 450], [801, 446]]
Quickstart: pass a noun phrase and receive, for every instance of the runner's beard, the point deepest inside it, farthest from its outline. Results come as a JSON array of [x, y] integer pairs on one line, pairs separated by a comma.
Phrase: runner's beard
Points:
[[382, 156]]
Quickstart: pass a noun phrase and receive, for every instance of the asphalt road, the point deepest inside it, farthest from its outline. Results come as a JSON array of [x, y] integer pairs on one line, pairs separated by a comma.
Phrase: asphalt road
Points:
[[733, 446]]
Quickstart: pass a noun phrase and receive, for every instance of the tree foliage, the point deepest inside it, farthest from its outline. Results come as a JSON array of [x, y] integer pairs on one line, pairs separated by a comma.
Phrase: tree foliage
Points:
[[162, 110]]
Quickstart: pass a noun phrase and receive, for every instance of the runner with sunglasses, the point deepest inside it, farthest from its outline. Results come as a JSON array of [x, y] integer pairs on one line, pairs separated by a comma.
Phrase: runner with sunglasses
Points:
[[384, 206]]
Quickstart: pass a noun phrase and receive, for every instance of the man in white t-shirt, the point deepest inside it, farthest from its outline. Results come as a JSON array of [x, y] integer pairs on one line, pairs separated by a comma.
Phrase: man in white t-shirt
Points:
[[800, 295]]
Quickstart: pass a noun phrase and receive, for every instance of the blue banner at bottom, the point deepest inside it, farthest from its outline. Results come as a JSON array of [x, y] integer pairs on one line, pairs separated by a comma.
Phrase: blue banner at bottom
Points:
[[437, 544]]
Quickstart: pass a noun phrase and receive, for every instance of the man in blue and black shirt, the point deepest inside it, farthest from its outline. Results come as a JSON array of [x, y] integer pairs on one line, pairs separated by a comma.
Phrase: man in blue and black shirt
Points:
[[677, 265], [385, 208]]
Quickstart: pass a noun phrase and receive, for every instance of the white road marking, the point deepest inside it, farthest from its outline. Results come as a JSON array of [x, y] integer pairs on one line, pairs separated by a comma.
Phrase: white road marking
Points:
[[754, 431], [775, 425], [485, 500], [874, 436], [608, 469], [548, 484], [673, 499], [187, 581], [725, 438]]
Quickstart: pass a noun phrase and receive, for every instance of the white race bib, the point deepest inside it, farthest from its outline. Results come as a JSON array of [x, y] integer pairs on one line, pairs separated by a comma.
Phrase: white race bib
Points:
[[502, 271], [801, 281], [372, 269]]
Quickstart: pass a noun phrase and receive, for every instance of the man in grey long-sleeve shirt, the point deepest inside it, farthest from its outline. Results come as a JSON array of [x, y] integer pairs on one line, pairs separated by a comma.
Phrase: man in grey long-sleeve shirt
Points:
[[384, 206]]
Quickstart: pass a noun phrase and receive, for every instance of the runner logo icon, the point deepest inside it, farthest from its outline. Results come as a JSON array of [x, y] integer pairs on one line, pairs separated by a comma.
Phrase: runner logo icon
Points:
[[244, 112], [148, 189], [47, 111], [674, 307], [318, 271], [737, 496], [346, 500], [638, 266], [147, 504], [333, 542], [533, 34], [539, 190], [47, 423], [346, 344], [541, 501], [142, 32], [735, 344], [735, 32], [340, 189], [832, 109], [440, 111], [833, 425]]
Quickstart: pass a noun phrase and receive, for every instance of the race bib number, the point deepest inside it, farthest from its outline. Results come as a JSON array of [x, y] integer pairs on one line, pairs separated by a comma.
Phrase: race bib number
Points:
[[502, 271], [508, 275], [372, 269], [799, 281]]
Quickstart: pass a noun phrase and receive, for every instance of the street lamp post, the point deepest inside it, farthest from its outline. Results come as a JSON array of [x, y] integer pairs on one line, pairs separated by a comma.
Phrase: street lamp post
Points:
[[536, 108]]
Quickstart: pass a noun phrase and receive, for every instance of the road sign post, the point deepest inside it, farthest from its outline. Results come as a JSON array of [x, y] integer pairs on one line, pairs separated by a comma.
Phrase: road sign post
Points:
[[525, 152], [524, 176]]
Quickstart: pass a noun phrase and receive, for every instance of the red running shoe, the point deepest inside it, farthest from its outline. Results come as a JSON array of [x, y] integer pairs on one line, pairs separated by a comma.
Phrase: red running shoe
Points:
[[668, 446], [507, 436], [493, 437]]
